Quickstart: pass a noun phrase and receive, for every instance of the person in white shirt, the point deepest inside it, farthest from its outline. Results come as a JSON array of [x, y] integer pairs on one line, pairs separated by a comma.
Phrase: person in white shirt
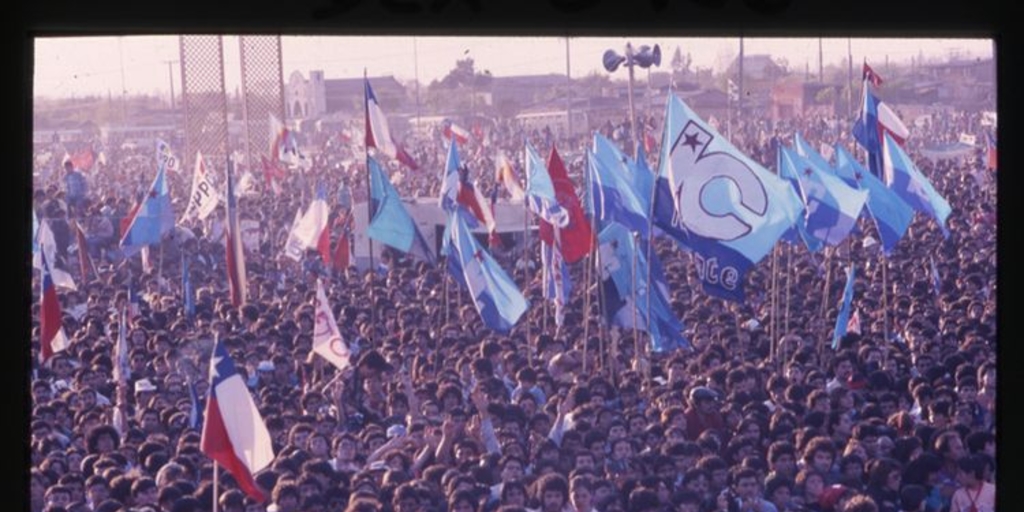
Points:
[[974, 494]]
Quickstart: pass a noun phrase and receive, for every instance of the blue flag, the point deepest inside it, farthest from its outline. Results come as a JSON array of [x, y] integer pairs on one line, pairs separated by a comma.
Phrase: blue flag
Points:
[[188, 297], [540, 191], [804, 149], [643, 177], [626, 305], [717, 202], [450, 179], [844, 310], [902, 176], [788, 170], [892, 215], [865, 131], [495, 295], [612, 193], [391, 223], [154, 217], [832, 206]]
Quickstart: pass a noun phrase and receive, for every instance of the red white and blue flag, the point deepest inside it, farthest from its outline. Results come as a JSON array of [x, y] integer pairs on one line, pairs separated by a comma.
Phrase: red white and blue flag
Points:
[[51, 329], [870, 75], [235, 252], [377, 133], [452, 130], [234, 434]]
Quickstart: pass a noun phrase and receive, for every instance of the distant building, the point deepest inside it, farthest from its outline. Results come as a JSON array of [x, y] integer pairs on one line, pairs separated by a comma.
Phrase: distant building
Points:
[[760, 73], [793, 98], [316, 96]]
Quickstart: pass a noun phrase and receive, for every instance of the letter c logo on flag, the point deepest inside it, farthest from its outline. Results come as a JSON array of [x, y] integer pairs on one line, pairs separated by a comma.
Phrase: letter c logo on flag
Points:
[[707, 184]]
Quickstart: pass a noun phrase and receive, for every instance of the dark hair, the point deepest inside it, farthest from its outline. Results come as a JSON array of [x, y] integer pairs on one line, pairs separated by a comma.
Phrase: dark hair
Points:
[[911, 496], [974, 465]]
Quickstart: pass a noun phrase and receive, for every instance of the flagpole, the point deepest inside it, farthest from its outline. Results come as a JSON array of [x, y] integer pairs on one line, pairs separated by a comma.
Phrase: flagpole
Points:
[[636, 302], [216, 486], [774, 300], [369, 210], [588, 273], [885, 299], [789, 283], [828, 280]]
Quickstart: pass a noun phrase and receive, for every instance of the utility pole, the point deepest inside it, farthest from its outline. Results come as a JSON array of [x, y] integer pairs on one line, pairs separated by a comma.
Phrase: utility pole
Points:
[[821, 63], [568, 91], [170, 77]]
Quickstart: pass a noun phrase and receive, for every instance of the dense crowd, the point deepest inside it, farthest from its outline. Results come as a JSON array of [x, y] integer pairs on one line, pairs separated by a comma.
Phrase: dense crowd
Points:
[[439, 414]]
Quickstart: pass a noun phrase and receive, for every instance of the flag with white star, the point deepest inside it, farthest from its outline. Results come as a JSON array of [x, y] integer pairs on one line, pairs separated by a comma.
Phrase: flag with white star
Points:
[[234, 434]]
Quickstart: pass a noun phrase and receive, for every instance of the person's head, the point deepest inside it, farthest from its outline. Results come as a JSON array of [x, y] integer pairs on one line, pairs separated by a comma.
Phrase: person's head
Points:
[[286, 496], [145, 491], [745, 483], [949, 446], [57, 496], [552, 492], [462, 501], [778, 489], [513, 493], [406, 498], [581, 493], [971, 470], [819, 454], [913, 498], [859, 503]]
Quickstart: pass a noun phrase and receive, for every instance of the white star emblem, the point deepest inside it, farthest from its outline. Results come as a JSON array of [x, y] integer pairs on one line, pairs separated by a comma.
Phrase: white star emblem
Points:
[[213, 367]]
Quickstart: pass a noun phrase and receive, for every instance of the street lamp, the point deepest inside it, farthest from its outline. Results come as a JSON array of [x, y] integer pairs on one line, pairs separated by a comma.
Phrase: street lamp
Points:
[[645, 57]]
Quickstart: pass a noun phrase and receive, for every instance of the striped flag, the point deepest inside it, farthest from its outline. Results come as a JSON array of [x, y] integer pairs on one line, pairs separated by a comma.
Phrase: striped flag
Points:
[[378, 135], [505, 175], [234, 434], [235, 253], [52, 338], [870, 75]]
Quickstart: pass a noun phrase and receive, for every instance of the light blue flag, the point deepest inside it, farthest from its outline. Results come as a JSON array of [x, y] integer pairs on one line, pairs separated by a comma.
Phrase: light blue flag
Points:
[[718, 202], [832, 206], [804, 149], [495, 295], [391, 223], [154, 217], [643, 177], [613, 195], [788, 170], [902, 176], [540, 191], [617, 251], [892, 215], [450, 179], [844, 310]]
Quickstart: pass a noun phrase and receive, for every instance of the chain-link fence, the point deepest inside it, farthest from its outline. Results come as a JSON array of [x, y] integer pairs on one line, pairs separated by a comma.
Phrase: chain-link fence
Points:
[[205, 102], [262, 91]]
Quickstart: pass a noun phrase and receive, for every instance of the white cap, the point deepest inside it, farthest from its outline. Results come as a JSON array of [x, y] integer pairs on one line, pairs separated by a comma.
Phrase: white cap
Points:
[[144, 385]]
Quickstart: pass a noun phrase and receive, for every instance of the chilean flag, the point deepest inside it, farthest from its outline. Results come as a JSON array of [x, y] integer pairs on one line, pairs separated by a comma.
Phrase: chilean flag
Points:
[[377, 133], [234, 253], [51, 331], [870, 75], [453, 130], [877, 119], [234, 434]]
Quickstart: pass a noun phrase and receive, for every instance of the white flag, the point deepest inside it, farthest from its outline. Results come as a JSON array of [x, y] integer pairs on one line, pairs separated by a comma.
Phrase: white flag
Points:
[[47, 244], [293, 247], [204, 197], [326, 337], [312, 224]]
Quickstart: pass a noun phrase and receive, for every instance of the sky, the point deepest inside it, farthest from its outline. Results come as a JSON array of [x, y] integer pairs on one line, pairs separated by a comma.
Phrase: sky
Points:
[[102, 65]]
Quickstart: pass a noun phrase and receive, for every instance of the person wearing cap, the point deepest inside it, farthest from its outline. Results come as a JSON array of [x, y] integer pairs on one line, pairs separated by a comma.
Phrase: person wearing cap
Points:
[[703, 413]]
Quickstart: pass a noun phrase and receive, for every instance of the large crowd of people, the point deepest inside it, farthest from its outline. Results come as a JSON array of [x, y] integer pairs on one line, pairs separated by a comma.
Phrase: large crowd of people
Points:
[[439, 414]]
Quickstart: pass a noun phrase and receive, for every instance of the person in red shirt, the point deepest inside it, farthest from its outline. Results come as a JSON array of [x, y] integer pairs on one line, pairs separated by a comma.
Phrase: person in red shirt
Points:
[[703, 413]]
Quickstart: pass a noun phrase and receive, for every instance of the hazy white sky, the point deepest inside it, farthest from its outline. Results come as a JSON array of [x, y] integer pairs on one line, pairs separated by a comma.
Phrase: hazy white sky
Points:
[[83, 66]]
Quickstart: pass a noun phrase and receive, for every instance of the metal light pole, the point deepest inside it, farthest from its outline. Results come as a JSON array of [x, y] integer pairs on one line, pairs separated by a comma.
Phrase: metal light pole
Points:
[[645, 57]]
